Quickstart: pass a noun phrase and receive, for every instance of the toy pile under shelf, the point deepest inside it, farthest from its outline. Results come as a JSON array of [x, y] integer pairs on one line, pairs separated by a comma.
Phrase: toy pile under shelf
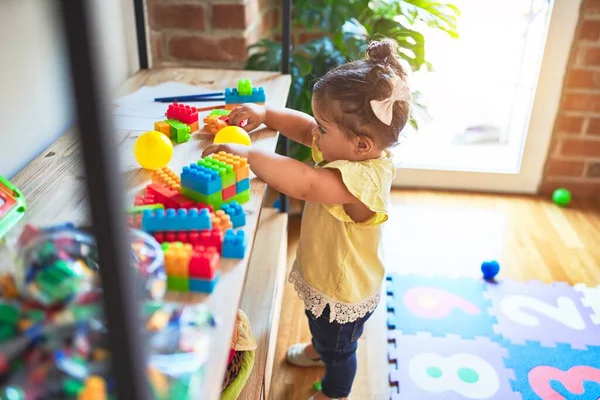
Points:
[[193, 215]]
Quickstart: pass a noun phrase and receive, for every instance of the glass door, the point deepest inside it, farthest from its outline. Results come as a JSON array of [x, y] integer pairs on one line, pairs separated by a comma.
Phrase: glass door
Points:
[[492, 97]]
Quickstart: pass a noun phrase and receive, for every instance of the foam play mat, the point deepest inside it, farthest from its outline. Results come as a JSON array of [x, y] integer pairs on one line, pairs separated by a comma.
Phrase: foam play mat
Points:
[[463, 338]]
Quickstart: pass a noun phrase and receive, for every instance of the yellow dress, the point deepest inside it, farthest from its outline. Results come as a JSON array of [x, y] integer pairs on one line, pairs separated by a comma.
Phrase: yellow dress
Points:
[[338, 260]]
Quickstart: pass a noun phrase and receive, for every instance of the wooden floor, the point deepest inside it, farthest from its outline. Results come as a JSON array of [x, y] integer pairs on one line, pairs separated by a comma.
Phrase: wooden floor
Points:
[[451, 233]]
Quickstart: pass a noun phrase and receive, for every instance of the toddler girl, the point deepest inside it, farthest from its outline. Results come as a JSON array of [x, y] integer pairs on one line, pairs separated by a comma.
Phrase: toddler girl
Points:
[[359, 109]]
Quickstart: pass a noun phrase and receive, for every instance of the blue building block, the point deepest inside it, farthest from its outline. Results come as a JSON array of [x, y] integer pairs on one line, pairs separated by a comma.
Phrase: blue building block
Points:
[[204, 285], [201, 179], [236, 213], [234, 244], [242, 185], [176, 220], [232, 96]]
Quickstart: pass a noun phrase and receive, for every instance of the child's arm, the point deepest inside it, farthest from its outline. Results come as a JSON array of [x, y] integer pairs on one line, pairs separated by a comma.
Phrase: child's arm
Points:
[[295, 125], [291, 177]]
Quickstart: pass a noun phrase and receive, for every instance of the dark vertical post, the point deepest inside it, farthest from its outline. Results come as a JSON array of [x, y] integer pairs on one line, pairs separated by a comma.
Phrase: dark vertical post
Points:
[[140, 29], [286, 45], [105, 193]]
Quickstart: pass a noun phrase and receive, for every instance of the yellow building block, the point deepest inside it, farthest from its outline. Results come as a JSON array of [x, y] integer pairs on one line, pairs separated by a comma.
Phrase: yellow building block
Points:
[[177, 259], [168, 178], [163, 127]]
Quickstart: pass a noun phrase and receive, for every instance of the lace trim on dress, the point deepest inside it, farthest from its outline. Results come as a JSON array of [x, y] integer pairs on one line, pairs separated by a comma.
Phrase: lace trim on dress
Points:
[[341, 312]]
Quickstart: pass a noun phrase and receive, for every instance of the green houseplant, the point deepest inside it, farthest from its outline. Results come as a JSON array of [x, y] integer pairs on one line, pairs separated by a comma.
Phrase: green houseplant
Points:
[[346, 27]]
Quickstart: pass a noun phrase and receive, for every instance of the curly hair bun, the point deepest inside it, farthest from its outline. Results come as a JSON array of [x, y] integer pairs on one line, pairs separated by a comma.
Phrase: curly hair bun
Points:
[[381, 50]]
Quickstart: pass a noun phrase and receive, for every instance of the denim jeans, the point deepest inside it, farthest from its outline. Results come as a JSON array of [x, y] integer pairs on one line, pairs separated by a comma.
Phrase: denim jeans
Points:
[[336, 345]]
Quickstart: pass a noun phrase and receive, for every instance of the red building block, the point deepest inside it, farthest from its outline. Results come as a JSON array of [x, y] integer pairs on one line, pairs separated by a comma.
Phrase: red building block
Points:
[[162, 194], [181, 201], [205, 238], [143, 200], [229, 192], [204, 263], [186, 114]]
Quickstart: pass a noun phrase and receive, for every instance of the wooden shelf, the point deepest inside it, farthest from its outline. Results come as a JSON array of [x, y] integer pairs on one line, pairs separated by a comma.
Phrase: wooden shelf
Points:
[[262, 298], [54, 186]]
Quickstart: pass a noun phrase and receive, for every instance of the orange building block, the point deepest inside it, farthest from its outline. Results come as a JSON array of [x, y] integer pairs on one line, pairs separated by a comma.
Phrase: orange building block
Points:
[[168, 178], [214, 123], [163, 127], [177, 259], [221, 221], [195, 127], [240, 164]]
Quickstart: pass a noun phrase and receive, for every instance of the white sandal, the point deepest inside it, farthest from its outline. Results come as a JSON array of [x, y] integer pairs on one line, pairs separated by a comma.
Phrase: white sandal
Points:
[[296, 356]]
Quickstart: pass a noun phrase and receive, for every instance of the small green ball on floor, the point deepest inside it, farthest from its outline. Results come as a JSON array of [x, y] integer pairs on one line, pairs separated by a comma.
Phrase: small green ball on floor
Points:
[[561, 197], [318, 386]]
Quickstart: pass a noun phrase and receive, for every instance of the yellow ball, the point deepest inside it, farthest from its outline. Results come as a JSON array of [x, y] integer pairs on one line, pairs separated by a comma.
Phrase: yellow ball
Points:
[[232, 134], [153, 150]]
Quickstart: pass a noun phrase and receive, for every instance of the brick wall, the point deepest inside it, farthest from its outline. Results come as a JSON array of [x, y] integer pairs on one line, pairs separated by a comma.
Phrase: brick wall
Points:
[[574, 157], [207, 33]]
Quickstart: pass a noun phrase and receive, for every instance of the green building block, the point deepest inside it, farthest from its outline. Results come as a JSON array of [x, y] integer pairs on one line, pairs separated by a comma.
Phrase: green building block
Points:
[[245, 87], [7, 332], [180, 132], [225, 171], [241, 198], [220, 112], [215, 199], [9, 314], [178, 284]]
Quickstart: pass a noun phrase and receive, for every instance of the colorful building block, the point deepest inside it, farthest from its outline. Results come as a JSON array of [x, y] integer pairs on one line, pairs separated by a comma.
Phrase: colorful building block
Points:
[[180, 201], [141, 200], [236, 214], [168, 178], [232, 96], [243, 185], [219, 112], [178, 284], [205, 238], [204, 263], [229, 192], [140, 209], [239, 164], [181, 112], [176, 220], [221, 221], [214, 123], [186, 260], [226, 171], [244, 87], [201, 179], [163, 127], [177, 258], [203, 285], [234, 244], [180, 132], [161, 194], [215, 199]]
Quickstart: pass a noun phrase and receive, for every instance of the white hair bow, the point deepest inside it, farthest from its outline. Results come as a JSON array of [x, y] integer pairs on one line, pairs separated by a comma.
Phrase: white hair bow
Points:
[[384, 109]]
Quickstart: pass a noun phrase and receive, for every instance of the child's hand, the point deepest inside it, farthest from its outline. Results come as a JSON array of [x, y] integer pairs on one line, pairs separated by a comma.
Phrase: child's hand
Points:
[[254, 113], [236, 149]]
